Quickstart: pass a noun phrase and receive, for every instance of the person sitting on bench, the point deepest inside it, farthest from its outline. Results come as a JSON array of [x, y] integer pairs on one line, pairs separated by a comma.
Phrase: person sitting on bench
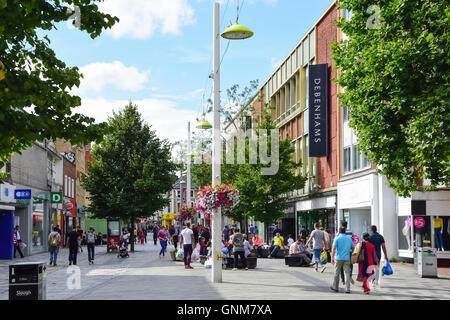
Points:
[[298, 248]]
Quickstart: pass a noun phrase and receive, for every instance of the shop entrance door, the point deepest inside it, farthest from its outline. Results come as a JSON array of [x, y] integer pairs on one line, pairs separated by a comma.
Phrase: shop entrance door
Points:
[[6, 234]]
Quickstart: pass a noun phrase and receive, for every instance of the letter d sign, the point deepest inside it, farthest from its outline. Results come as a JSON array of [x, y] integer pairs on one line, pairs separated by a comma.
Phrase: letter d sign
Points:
[[56, 197]]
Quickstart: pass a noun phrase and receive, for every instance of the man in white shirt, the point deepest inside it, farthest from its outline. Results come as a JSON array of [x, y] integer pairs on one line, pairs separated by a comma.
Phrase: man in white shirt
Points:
[[188, 242]]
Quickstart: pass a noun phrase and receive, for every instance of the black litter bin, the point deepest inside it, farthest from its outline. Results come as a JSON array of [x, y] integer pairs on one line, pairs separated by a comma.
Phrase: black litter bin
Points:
[[27, 281]]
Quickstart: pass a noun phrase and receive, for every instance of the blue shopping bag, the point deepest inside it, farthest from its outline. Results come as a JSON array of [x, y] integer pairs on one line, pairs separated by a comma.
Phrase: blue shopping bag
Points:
[[387, 270], [180, 254], [225, 250]]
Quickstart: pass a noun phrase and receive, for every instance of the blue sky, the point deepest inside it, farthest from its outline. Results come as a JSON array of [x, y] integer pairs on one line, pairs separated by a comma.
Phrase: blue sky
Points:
[[159, 54]]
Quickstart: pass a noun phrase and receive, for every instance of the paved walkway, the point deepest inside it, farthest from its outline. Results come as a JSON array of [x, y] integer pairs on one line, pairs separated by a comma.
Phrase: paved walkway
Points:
[[144, 276]]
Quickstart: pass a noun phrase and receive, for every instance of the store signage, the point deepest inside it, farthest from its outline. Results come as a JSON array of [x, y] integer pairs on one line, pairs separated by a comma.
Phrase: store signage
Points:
[[70, 156], [318, 110], [7, 192], [38, 217], [70, 207], [419, 222], [56, 197], [22, 194], [408, 222]]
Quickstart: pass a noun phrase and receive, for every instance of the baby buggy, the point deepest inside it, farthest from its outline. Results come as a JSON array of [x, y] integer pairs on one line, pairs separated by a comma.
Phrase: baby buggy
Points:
[[123, 249]]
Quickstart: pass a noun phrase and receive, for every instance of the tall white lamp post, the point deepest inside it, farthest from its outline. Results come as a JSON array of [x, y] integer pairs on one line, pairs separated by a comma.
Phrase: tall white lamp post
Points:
[[235, 32]]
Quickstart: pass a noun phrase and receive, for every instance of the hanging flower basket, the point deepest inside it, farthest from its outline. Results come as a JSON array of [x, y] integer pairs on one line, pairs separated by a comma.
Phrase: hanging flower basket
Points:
[[220, 196], [185, 213]]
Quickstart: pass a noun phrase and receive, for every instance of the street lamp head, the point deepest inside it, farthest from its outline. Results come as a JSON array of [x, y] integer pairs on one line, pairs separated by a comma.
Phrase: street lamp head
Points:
[[237, 32], [204, 125], [182, 182]]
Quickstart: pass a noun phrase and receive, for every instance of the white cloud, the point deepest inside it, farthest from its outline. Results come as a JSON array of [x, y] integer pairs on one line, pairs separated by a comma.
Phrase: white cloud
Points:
[[166, 119], [99, 75], [139, 19]]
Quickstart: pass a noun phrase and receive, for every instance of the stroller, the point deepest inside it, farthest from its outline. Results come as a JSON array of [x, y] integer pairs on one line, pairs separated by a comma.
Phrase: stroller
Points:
[[123, 249]]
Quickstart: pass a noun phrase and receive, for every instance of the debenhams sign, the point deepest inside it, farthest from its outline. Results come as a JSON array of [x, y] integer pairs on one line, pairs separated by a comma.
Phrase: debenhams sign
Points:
[[318, 110]]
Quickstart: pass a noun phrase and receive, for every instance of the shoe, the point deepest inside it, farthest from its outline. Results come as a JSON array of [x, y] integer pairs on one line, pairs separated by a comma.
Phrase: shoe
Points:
[[186, 267], [234, 269], [189, 267], [269, 257], [343, 283], [55, 265], [246, 268], [333, 289], [51, 262], [366, 292], [352, 281], [347, 291], [92, 262], [70, 263], [323, 269], [316, 269]]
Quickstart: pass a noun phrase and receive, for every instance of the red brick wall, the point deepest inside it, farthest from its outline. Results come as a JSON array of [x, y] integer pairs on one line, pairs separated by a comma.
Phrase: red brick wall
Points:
[[326, 34], [69, 170]]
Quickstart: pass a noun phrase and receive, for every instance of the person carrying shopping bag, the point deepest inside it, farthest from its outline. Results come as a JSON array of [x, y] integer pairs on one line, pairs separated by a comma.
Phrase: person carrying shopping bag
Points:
[[366, 268]]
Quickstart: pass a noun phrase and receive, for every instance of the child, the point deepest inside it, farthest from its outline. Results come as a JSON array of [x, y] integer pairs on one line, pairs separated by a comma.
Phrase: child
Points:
[[203, 250], [290, 240], [209, 249]]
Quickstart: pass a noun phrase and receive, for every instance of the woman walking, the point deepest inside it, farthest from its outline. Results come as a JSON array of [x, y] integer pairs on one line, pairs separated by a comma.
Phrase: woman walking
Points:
[[367, 267], [162, 240]]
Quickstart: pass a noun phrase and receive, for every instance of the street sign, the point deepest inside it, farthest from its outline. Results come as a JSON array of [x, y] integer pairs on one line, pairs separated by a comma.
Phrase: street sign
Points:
[[56, 197], [22, 194]]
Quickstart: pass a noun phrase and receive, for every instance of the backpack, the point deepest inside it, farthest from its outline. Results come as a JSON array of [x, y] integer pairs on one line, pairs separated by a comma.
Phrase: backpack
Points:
[[54, 242], [90, 237]]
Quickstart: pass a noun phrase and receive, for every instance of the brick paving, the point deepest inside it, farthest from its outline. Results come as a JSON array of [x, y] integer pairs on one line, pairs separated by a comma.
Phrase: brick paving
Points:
[[144, 276]]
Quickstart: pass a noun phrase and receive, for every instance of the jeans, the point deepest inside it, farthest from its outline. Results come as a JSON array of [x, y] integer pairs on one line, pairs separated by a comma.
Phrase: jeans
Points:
[[187, 248], [240, 254], [73, 251], [163, 247], [275, 251], [91, 251], [17, 247], [342, 273], [259, 250], [317, 253], [438, 238], [339, 265], [54, 254]]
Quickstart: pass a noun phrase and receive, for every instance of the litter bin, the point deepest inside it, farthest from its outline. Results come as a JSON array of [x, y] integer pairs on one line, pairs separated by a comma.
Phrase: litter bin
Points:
[[426, 262], [27, 281]]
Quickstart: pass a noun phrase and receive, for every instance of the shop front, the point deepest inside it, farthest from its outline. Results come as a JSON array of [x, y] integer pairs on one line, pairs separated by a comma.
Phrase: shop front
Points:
[[424, 222], [7, 210], [319, 210]]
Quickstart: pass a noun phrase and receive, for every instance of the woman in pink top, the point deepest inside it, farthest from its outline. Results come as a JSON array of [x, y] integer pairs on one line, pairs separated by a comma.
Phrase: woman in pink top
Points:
[[162, 240], [257, 244]]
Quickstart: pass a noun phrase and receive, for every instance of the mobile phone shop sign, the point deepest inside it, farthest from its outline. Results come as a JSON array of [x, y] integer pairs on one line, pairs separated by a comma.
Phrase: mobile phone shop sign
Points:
[[318, 110]]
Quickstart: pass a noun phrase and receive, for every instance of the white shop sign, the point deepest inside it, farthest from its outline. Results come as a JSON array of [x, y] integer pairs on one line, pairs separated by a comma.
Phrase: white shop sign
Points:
[[319, 203], [356, 193], [7, 193]]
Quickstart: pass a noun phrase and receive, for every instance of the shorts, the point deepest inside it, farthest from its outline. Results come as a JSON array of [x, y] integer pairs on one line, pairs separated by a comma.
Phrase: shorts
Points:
[[317, 253]]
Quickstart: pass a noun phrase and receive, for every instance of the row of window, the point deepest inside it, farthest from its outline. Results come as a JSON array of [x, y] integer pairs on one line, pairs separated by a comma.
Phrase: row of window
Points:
[[69, 187]]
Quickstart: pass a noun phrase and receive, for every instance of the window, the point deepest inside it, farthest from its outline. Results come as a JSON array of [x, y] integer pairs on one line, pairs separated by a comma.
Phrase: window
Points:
[[266, 92], [347, 159], [293, 92], [294, 61], [73, 188], [289, 68], [365, 161], [345, 114], [356, 158], [283, 73], [312, 44], [278, 78], [300, 56], [306, 122], [305, 52], [65, 185]]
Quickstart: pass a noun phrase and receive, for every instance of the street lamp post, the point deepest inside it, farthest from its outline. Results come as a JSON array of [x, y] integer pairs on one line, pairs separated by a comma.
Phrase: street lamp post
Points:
[[234, 32]]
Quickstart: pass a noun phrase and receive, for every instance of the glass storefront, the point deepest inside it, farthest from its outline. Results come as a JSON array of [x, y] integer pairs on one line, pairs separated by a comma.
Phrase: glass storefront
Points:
[[37, 234], [325, 218]]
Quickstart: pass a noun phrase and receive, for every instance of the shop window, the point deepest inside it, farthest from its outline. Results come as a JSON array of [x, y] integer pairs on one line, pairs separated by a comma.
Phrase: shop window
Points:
[[422, 231], [345, 114], [404, 233]]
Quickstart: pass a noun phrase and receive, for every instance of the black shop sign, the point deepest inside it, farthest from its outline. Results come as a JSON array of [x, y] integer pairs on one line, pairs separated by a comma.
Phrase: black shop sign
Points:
[[318, 110]]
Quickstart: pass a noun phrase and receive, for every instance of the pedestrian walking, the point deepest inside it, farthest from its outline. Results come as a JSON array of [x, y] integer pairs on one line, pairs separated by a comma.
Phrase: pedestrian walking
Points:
[[80, 238], [135, 234], [366, 268], [238, 248], [155, 234], [188, 241], [341, 258], [318, 238], [17, 242], [145, 235], [378, 242], [54, 240], [205, 234], [162, 236], [348, 233], [195, 231], [278, 242], [225, 234], [72, 244], [304, 232], [142, 236], [90, 241]]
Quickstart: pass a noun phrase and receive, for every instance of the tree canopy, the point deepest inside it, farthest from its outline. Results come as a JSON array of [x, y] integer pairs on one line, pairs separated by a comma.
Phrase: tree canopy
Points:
[[35, 98], [394, 68], [132, 171]]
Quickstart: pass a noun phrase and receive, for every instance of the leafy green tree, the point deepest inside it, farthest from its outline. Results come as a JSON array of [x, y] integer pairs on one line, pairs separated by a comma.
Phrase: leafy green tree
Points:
[[35, 99], [264, 197], [132, 171], [395, 72]]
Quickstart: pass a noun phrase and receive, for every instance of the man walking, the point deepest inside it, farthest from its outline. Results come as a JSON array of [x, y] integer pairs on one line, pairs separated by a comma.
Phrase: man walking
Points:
[[17, 242], [72, 244], [90, 240], [238, 248], [188, 242], [378, 242], [155, 234], [54, 240], [341, 254], [319, 244]]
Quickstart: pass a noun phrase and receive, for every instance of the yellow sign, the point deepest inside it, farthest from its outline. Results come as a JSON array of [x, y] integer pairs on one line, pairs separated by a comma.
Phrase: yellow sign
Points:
[[219, 257], [2, 71]]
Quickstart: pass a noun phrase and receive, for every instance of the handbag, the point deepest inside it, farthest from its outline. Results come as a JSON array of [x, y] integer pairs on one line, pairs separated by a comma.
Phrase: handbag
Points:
[[23, 245], [208, 263], [358, 254]]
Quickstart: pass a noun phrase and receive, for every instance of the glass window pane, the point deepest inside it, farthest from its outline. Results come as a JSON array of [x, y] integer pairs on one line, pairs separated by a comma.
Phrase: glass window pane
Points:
[[306, 121], [300, 56], [312, 44], [294, 61], [345, 114], [356, 158], [307, 87], [404, 233], [305, 51], [347, 160]]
